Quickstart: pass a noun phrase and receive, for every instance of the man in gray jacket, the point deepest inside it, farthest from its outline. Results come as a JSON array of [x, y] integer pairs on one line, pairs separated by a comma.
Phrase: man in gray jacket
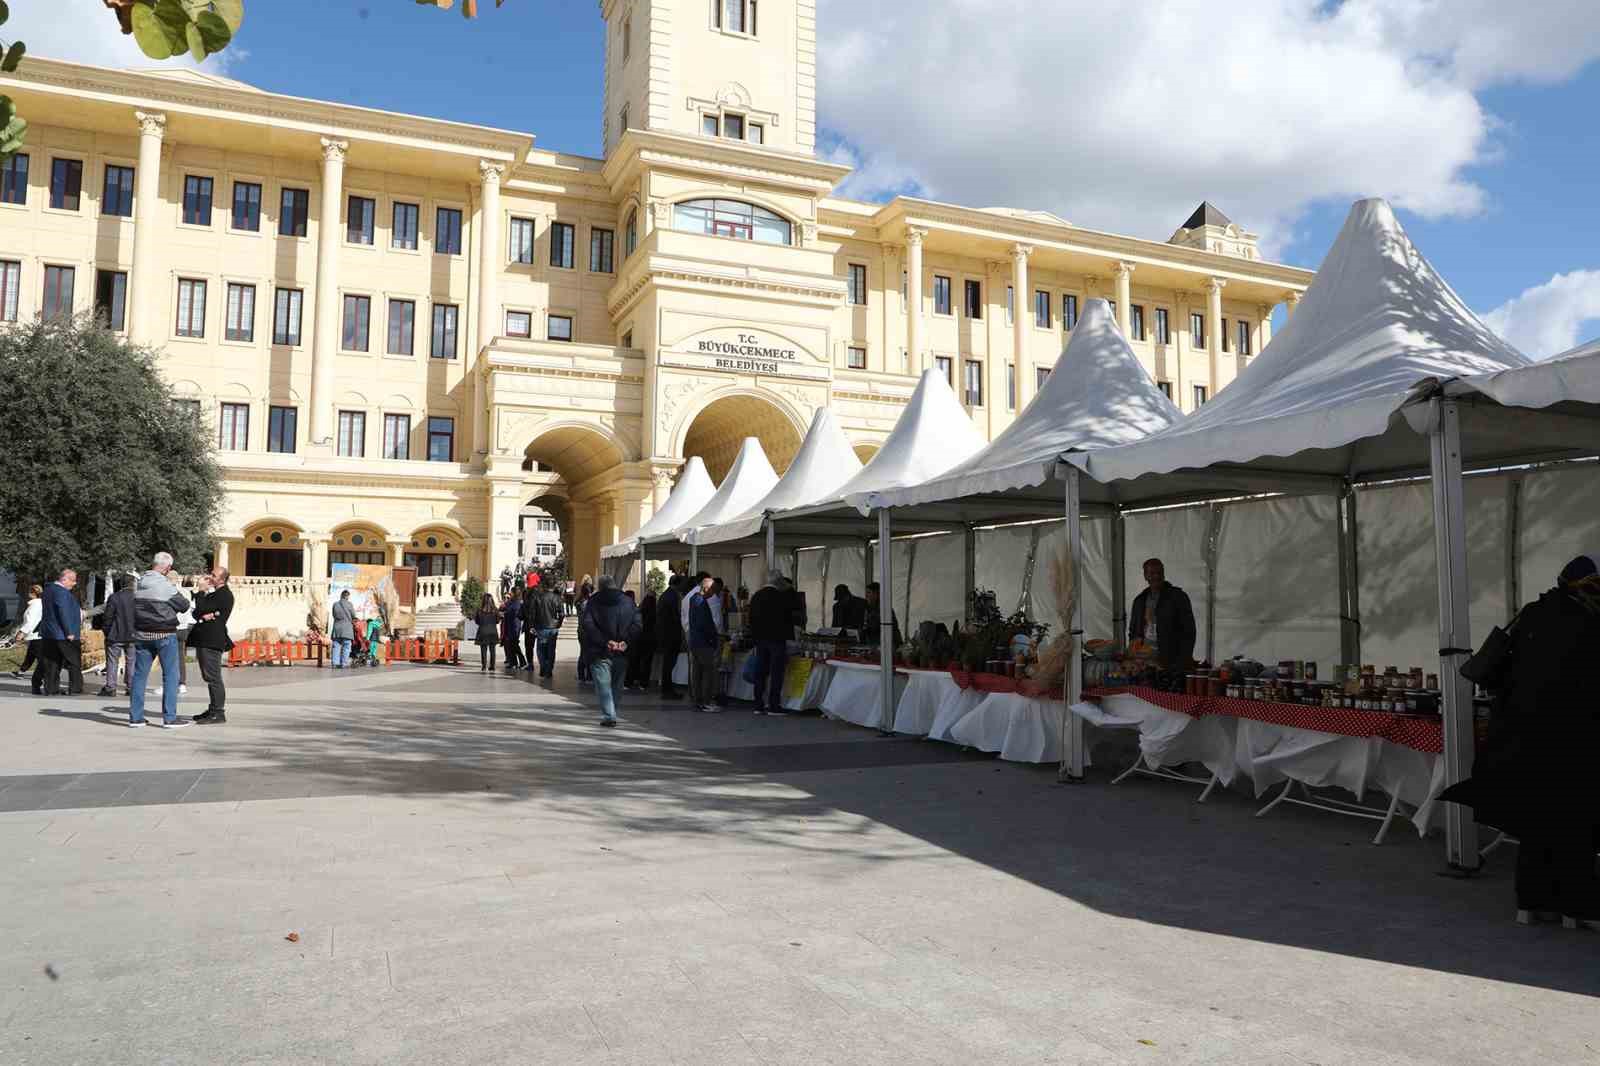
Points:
[[157, 602]]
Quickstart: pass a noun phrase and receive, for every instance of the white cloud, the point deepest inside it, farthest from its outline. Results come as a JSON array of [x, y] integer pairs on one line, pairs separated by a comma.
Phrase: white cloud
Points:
[[1551, 318], [86, 31], [1124, 116]]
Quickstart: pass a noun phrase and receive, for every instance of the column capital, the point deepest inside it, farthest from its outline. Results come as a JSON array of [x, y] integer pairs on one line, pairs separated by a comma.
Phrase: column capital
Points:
[[1215, 285], [1292, 297], [1121, 270], [333, 150], [152, 123], [1265, 310], [1020, 252], [491, 172], [1180, 295], [662, 479], [915, 235]]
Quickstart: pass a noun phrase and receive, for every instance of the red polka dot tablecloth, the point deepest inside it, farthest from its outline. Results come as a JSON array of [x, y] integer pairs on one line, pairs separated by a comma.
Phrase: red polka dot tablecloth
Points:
[[1425, 734]]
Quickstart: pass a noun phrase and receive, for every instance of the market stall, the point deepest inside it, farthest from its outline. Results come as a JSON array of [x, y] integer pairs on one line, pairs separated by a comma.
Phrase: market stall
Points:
[[689, 496]]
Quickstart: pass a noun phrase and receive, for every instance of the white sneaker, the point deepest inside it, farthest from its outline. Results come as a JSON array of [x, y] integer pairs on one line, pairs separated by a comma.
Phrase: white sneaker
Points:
[[180, 723], [183, 690], [136, 725], [710, 708]]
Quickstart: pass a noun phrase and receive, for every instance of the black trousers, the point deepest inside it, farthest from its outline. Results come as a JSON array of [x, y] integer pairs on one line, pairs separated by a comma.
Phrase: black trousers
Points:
[[530, 646], [1555, 872], [514, 657], [669, 659], [210, 660], [31, 659], [69, 655]]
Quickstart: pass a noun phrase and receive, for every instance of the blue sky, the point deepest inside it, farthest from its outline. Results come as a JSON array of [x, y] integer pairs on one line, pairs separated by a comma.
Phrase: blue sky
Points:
[[1500, 162]]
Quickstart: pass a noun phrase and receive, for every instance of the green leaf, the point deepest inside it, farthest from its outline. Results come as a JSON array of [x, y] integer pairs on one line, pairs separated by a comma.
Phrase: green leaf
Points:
[[197, 41], [175, 20], [213, 31], [13, 57], [151, 33], [11, 135], [229, 11], [5, 12]]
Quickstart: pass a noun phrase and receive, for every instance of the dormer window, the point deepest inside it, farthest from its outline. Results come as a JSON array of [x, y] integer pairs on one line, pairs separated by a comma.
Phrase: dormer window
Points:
[[733, 126], [735, 16]]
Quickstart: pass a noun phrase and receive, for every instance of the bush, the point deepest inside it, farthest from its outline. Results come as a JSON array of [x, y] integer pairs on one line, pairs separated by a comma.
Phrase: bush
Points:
[[471, 595]]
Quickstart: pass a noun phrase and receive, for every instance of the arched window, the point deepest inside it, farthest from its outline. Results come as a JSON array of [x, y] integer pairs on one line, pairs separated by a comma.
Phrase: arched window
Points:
[[732, 218], [630, 234]]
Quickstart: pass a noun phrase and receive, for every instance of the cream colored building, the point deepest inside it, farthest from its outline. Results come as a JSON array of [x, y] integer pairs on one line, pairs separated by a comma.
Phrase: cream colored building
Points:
[[407, 331]]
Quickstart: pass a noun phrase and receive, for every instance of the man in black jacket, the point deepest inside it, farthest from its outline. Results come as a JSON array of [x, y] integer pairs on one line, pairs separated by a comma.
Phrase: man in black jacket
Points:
[[119, 629], [848, 608], [669, 634], [771, 626], [209, 639], [1163, 618], [610, 623], [543, 619]]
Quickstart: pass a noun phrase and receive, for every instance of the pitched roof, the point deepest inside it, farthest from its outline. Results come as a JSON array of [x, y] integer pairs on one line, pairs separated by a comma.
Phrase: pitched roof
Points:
[[1207, 215]]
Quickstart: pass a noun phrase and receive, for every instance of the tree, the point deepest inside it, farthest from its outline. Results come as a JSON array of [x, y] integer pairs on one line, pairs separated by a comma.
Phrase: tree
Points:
[[105, 466]]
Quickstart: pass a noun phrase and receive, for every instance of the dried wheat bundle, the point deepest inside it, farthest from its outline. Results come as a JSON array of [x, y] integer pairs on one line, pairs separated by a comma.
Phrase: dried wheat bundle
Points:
[[1055, 658]]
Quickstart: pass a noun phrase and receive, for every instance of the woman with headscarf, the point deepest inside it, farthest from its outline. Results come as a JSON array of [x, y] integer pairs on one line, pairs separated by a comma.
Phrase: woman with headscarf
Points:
[[1534, 778]]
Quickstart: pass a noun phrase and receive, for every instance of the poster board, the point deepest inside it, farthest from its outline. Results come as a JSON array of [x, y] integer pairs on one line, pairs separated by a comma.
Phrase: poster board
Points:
[[368, 586]]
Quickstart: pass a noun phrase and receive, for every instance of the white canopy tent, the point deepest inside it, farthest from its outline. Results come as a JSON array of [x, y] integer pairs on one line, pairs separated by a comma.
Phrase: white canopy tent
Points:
[[1322, 408], [693, 490], [750, 479]]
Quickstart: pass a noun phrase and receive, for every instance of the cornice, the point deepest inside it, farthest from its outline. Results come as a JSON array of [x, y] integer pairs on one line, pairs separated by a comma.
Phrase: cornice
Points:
[[639, 148], [825, 291]]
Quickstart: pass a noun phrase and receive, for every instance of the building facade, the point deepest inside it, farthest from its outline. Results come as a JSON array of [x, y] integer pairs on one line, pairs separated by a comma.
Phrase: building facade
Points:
[[408, 332]]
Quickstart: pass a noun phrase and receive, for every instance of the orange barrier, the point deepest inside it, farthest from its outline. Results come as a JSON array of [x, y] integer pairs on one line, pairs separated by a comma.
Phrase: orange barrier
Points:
[[415, 650], [275, 653]]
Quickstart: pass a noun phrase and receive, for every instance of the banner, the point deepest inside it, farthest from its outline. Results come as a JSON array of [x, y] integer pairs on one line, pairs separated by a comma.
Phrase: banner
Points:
[[368, 586]]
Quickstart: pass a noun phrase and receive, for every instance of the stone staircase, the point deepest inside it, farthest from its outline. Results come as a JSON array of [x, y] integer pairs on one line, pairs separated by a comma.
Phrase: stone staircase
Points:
[[439, 616]]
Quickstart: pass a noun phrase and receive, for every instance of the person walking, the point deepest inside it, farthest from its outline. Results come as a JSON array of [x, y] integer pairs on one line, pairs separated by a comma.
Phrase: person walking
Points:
[[511, 630], [1534, 779], [642, 652], [771, 627], [61, 623], [543, 619], [119, 630], [610, 625], [488, 620], [157, 602], [585, 593], [210, 641], [343, 632], [28, 631], [704, 643], [669, 634]]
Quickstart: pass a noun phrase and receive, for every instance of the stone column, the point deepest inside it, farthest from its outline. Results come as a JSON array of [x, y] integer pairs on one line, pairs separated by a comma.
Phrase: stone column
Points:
[[1181, 344], [1214, 287], [1021, 322], [994, 287], [914, 239], [1124, 275], [397, 552], [505, 505], [219, 554], [325, 328], [489, 263], [661, 488], [584, 551], [1266, 327], [1291, 301], [146, 295], [318, 546]]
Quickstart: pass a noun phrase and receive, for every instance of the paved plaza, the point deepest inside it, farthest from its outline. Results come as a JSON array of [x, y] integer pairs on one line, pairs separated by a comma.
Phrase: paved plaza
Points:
[[475, 873]]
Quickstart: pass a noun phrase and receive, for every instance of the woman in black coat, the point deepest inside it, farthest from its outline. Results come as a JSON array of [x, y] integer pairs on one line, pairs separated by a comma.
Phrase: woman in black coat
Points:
[[1535, 777], [643, 651], [488, 619]]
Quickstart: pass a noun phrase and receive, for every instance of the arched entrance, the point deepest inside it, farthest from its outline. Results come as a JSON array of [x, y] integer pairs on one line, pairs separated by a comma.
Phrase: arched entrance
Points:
[[722, 425], [435, 551], [361, 543], [544, 529], [562, 461], [274, 547]]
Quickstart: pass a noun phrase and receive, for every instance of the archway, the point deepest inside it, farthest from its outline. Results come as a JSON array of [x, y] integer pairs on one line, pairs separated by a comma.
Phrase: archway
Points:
[[559, 461], [717, 431], [274, 547], [544, 529], [865, 452], [435, 550], [362, 543]]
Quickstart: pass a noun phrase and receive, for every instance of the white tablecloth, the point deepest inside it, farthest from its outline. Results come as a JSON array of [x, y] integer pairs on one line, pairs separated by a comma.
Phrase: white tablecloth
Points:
[[1020, 728], [919, 705], [740, 689], [853, 693], [816, 689], [954, 705], [1168, 738]]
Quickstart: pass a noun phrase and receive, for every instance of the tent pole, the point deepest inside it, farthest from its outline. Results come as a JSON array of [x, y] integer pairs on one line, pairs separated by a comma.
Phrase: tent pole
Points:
[[772, 547], [1513, 545], [1455, 624], [971, 546], [1071, 725], [1349, 578], [1213, 554], [885, 625], [694, 559], [1119, 576]]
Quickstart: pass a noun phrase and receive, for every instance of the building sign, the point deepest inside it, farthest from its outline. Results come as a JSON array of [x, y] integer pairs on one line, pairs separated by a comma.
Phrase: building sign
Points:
[[745, 351]]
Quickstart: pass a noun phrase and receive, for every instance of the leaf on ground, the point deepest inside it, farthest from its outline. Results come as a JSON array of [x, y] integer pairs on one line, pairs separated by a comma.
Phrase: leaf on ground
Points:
[[1148, 1043], [293, 938]]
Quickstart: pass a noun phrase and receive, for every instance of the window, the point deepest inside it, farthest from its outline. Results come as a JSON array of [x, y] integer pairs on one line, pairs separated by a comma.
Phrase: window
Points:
[[1011, 386], [858, 284], [710, 125], [546, 525], [974, 381], [233, 427], [111, 297], [1136, 321], [447, 231], [627, 38], [522, 240], [441, 440], [627, 339], [1041, 374], [735, 16], [1199, 395], [1041, 309], [1226, 346], [947, 367], [630, 239], [359, 219], [733, 127], [602, 246], [758, 133], [66, 183], [294, 210], [544, 550], [562, 237], [58, 281], [118, 196], [287, 304], [403, 232], [10, 288], [1163, 326], [1011, 304], [191, 308], [352, 442], [855, 358], [1113, 305], [1166, 388], [397, 436], [357, 323], [975, 300], [519, 324], [732, 218], [445, 317], [281, 429], [241, 320], [247, 206], [1069, 311], [196, 200], [1244, 338], [14, 179], [941, 295], [1197, 330], [402, 327], [559, 328]]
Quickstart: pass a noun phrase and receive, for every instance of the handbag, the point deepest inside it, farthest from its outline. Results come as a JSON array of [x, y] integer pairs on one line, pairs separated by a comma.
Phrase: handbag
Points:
[[1490, 665], [751, 671]]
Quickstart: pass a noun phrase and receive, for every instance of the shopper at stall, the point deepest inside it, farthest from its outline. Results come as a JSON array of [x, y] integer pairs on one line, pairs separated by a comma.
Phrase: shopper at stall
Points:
[[704, 643], [848, 608], [872, 619], [1163, 618], [1535, 778], [669, 634], [642, 651], [610, 626], [771, 627]]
